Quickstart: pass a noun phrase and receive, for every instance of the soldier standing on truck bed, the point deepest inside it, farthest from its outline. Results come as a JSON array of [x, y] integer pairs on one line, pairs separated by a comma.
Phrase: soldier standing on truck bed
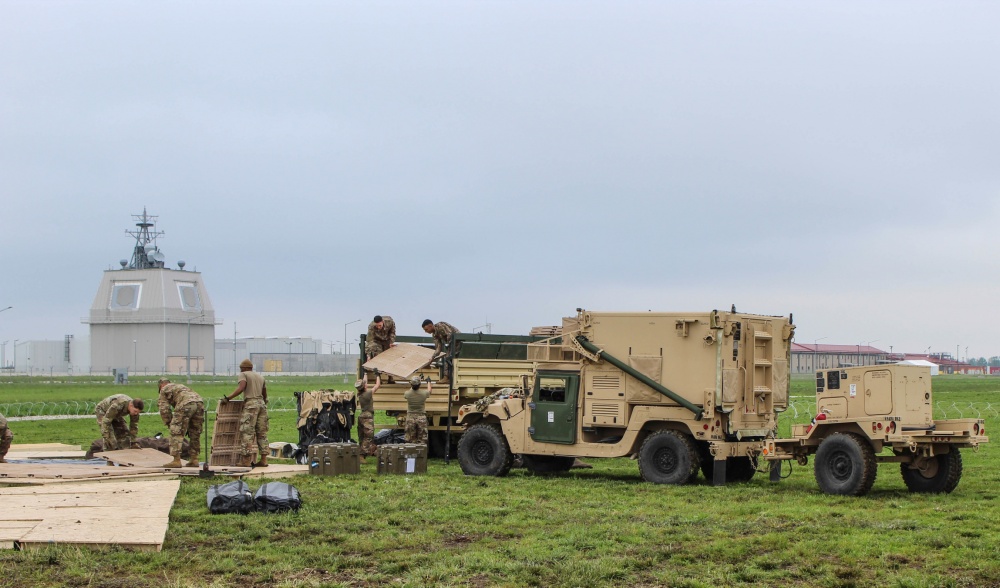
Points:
[[416, 416], [184, 412], [253, 419], [441, 332], [366, 422], [110, 414], [6, 437], [381, 335]]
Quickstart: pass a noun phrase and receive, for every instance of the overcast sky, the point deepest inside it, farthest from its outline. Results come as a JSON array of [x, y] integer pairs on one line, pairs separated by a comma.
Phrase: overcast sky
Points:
[[508, 162]]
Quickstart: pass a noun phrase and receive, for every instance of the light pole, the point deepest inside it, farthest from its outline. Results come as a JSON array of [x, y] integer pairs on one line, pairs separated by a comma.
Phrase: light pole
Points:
[[8, 308], [816, 350], [869, 346], [135, 355], [189, 345], [13, 367], [345, 334], [289, 343]]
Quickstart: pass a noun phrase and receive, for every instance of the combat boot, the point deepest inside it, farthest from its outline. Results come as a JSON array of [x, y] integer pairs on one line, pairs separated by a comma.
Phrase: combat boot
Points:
[[174, 464], [192, 463], [262, 463], [245, 461]]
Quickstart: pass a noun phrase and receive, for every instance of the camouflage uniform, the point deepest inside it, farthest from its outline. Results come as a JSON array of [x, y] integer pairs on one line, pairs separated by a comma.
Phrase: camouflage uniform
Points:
[[187, 417], [379, 340], [111, 414], [442, 335], [416, 417], [253, 420], [366, 423], [6, 437]]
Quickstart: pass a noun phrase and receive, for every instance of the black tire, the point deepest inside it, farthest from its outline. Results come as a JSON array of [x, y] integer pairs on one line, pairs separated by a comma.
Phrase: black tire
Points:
[[942, 475], [547, 464], [483, 451], [845, 465], [668, 457]]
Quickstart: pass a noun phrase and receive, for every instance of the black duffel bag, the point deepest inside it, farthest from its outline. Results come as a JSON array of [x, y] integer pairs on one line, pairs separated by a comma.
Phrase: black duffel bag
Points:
[[232, 497], [277, 497]]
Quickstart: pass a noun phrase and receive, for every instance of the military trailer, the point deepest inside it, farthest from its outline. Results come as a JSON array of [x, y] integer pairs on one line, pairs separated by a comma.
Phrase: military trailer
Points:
[[479, 364], [690, 392], [863, 411]]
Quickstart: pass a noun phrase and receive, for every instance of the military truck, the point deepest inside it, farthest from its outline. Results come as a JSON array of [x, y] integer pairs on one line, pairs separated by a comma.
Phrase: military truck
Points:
[[690, 392], [479, 364]]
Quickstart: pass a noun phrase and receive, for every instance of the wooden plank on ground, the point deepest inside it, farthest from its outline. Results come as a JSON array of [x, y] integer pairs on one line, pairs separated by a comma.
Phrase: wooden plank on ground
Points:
[[402, 360], [129, 514], [46, 454], [147, 457], [158, 475], [275, 471], [44, 447]]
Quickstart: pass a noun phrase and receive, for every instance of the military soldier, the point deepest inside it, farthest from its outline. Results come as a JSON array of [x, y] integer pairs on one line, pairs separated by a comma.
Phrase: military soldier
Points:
[[110, 414], [6, 438], [416, 417], [366, 422], [442, 333], [185, 419], [253, 420], [381, 335]]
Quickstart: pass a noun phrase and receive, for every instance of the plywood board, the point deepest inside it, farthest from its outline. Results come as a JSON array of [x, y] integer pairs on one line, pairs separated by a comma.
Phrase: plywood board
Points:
[[275, 471], [157, 475], [401, 361], [85, 514], [44, 447], [147, 457], [61, 470], [41, 454]]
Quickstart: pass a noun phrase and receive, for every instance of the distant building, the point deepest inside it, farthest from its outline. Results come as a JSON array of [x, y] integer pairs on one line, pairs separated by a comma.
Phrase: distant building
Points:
[[148, 318], [807, 358]]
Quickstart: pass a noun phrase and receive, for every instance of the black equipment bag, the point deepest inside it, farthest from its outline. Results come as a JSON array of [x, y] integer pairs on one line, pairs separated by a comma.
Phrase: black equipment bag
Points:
[[277, 497], [232, 497]]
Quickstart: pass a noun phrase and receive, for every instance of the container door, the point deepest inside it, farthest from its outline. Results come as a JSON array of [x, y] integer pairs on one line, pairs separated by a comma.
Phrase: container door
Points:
[[553, 407], [878, 392]]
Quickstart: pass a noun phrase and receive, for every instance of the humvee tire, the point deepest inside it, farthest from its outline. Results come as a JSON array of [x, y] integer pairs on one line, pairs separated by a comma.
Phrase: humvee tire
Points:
[[483, 451], [547, 464], [668, 457], [942, 475], [845, 464]]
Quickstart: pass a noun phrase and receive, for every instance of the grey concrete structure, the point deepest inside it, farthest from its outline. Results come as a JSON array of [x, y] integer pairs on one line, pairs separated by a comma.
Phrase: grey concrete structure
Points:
[[149, 318]]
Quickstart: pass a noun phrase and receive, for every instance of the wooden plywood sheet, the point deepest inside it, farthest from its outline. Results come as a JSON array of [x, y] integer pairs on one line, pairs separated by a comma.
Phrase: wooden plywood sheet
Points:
[[44, 447], [147, 457], [276, 471], [84, 514], [44, 450], [401, 361]]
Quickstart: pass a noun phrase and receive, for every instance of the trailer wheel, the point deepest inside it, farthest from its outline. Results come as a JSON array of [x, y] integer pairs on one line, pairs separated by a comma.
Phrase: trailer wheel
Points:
[[547, 464], [668, 457], [941, 474], [483, 451], [845, 464]]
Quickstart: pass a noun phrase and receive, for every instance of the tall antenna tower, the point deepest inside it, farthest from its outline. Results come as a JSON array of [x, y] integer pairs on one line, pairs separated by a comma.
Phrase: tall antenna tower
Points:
[[146, 254]]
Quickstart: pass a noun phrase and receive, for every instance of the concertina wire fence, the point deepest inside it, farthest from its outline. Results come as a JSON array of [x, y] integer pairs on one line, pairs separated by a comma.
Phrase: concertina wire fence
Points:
[[799, 411]]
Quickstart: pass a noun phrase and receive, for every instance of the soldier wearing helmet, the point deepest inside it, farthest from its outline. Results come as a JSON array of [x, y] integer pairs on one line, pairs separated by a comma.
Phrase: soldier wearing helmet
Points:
[[6, 438], [416, 417]]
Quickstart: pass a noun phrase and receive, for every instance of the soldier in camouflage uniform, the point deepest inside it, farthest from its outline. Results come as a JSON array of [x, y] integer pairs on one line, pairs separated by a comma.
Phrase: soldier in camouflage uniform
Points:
[[381, 335], [441, 332], [6, 438], [253, 420], [184, 412], [110, 414], [416, 416], [366, 422]]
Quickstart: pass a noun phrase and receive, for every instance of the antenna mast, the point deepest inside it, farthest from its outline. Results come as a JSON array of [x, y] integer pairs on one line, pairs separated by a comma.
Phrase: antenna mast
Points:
[[146, 254]]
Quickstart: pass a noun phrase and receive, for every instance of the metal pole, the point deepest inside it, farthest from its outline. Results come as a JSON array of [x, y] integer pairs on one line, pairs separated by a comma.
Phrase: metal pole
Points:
[[189, 352], [135, 354]]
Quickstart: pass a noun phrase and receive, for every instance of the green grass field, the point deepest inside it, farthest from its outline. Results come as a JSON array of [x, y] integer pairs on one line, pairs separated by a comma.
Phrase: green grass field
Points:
[[597, 527]]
